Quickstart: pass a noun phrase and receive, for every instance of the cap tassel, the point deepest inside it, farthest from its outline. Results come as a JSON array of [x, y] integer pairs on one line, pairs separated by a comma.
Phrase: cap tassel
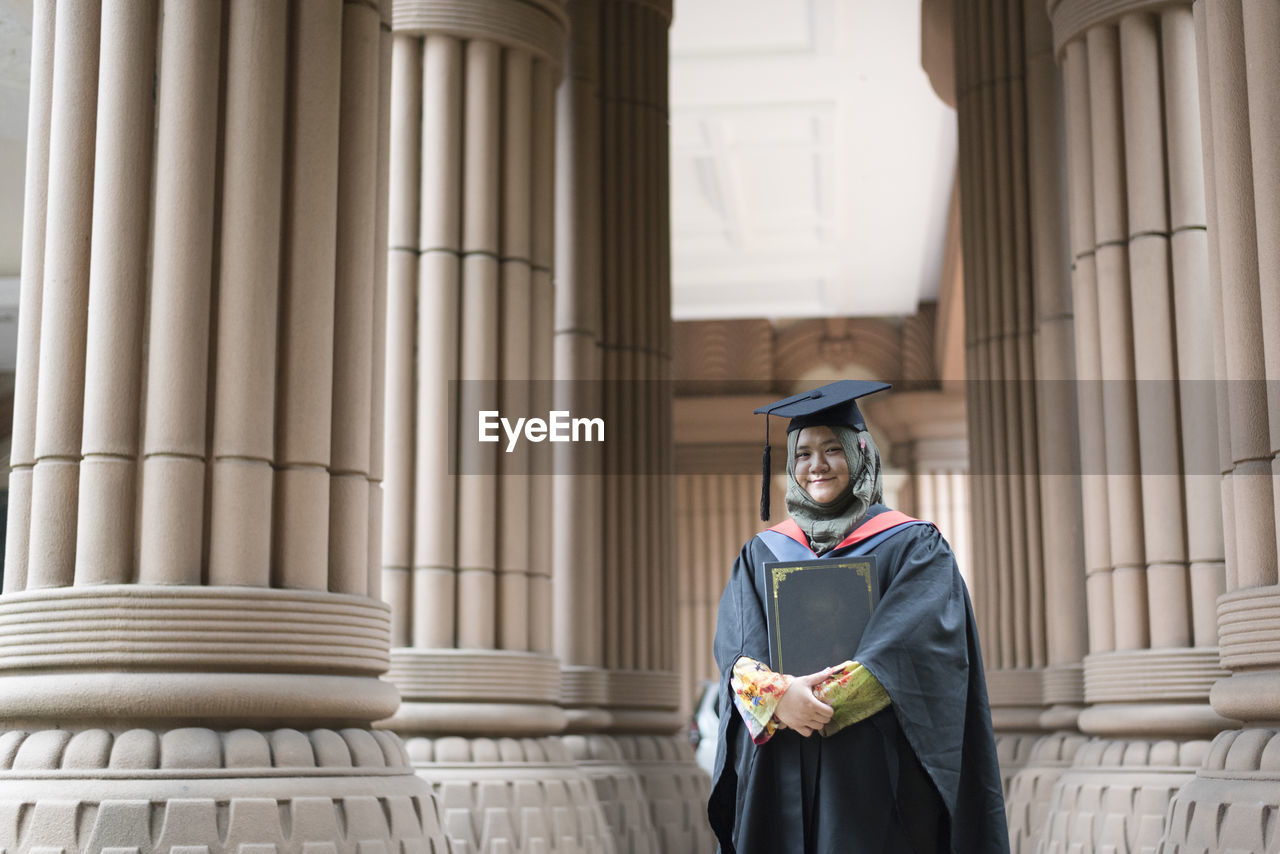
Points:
[[764, 487], [764, 474]]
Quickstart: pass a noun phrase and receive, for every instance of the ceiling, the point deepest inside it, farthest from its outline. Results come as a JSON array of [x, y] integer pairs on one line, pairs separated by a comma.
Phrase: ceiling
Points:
[[811, 162]]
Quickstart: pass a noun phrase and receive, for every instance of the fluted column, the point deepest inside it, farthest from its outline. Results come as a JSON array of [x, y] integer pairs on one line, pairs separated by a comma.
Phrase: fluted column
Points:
[[1153, 556], [1237, 45], [616, 552], [190, 612], [1028, 573], [1001, 323], [469, 323], [939, 483], [715, 515]]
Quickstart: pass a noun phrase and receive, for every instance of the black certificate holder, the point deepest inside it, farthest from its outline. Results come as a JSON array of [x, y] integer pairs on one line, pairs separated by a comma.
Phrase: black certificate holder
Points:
[[816, 611]]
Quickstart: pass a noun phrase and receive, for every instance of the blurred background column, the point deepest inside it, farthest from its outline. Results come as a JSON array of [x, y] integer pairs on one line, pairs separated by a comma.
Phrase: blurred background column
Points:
[[467, 533], [1023, 454], [1238, 51], [616, 563], [1153, 537], [192, 630]]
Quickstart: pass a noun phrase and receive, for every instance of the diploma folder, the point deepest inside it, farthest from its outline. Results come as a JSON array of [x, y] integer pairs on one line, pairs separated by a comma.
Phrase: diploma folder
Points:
[[816, 611]]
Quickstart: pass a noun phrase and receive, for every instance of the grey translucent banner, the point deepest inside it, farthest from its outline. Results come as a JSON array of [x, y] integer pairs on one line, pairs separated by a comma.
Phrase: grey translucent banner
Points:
[[1044, 427]]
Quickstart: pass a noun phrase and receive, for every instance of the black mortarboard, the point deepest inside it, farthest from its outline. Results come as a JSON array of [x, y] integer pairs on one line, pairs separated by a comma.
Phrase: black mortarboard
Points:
[[834, 404]]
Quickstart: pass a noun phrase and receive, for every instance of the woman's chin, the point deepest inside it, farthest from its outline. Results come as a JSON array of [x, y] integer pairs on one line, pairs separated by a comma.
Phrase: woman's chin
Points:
[[824, 496]]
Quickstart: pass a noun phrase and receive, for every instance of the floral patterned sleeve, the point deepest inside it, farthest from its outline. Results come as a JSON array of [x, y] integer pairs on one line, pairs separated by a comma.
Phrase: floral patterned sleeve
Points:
[[756, 692], [853, 693]]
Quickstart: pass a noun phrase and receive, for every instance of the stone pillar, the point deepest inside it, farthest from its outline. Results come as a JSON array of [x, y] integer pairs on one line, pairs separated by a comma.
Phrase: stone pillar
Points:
[[939, 487], [1019, 320], [1000, 317], [1006, 513], [1239, 87], [469, 318], [1154, 557], [616, 554], [192, 628], [715, 515]]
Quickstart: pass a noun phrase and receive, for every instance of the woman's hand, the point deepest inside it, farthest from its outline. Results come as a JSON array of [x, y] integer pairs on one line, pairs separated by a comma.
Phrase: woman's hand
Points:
[[799, 709]]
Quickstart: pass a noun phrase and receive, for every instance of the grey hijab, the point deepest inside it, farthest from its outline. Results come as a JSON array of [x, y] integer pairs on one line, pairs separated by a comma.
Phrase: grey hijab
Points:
[[827, 524]]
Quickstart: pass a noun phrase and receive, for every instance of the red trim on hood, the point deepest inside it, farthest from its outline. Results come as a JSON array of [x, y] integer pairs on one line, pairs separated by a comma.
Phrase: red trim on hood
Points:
[[791, 529], [877, 524]]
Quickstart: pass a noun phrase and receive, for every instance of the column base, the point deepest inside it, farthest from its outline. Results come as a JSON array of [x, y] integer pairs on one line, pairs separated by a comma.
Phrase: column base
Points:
[[516, 795], [583, 694], [654, 793], [620, 791], [1179, 721], [479, 726], [474, 720], [1029, 792], [1017, 699], [1231, 802], [149, 791], [475, 693], [1116, 794], [1013, 750]]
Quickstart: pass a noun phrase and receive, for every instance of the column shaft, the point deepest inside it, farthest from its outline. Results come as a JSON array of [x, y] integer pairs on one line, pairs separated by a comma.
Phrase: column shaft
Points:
[[435, 485], [996, 175], [64, 293], [402, 286], [27, 361], [247, 295], [305, 395], [117, 277]]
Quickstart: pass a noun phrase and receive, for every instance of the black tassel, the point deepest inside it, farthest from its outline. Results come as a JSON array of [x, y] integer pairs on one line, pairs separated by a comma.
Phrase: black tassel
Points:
[[764, 485]]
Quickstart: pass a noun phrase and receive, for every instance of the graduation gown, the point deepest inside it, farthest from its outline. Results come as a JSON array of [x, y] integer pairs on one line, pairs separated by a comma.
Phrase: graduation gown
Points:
[[920, 775]]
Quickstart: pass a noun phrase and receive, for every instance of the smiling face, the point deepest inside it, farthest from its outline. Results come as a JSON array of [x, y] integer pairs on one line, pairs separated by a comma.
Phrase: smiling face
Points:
[[820, 464]]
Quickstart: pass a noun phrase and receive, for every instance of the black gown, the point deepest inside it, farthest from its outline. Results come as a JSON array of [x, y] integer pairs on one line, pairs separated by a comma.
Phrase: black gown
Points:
[[919, 776]]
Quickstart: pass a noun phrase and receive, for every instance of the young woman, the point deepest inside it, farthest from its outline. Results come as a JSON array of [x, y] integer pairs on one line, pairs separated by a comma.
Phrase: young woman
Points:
[[893, 751]]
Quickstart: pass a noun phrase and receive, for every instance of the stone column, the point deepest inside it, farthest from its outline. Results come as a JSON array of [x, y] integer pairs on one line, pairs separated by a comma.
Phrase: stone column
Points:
[[466, 559], [1023, 458], [715, 515], [939, 483], [1000, 323], [192, 635], [1154, 557], [616, 555], [1239, 87]]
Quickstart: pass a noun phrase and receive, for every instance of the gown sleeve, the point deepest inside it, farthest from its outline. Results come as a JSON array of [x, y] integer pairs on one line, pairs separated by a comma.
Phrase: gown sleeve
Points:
[[756, 692], [853, 694], [922, 645]]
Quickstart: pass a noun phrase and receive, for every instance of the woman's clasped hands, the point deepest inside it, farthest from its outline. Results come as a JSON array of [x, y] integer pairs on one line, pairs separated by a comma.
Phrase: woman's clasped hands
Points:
[[800, 709]]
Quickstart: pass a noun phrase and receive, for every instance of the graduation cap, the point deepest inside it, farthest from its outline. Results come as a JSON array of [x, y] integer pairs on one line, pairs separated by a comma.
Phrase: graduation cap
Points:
[[834, 404]]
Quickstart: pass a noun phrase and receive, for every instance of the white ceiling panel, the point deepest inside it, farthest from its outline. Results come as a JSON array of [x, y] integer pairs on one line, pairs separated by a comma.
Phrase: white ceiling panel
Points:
[[720, 27], [811, 174]]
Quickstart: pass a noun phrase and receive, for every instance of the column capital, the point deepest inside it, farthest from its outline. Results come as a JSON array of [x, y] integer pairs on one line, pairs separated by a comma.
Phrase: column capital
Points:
[[1072, 18], [539, 26]]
